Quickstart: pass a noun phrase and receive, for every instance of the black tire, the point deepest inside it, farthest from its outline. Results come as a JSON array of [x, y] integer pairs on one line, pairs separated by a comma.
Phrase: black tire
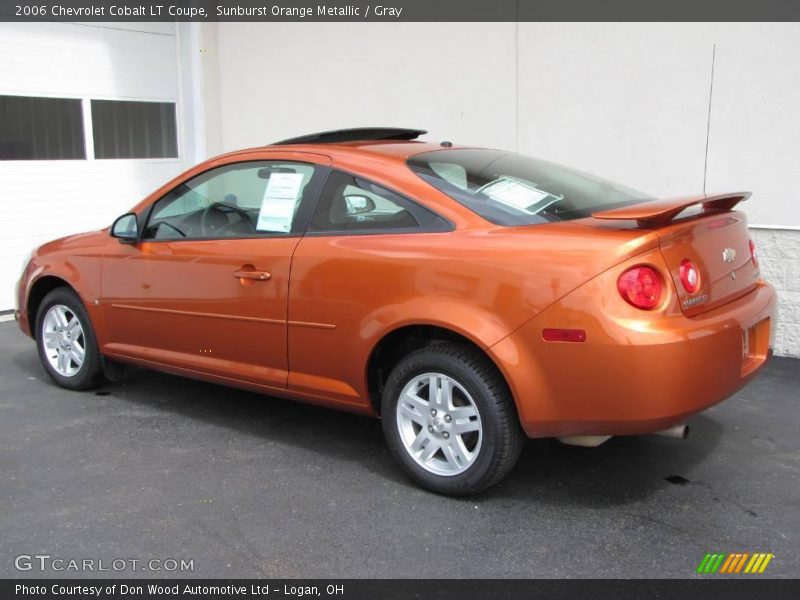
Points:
[[502, 436], [90, 371]]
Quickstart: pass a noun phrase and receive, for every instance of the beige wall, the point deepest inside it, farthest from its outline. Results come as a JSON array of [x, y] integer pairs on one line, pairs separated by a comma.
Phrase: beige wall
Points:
[[280, 80], [631, 101]]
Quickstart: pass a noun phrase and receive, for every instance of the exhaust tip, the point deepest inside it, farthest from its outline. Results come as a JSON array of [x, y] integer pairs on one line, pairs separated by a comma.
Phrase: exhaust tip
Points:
[[678, 431], [587, 441]]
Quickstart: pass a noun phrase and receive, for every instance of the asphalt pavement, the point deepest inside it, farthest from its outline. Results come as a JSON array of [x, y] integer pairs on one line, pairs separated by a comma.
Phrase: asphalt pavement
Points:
[[243, 485]]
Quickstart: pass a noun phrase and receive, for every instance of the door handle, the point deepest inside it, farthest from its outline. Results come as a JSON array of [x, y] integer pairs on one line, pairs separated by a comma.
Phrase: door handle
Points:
[[254, 275]]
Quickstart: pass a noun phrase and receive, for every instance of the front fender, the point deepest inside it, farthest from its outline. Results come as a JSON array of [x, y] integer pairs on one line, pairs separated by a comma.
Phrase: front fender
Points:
[[61, 262]]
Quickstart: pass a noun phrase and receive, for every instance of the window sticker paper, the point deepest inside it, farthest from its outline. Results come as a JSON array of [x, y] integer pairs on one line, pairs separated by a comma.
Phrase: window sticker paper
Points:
[[278, 204], [518, 195]]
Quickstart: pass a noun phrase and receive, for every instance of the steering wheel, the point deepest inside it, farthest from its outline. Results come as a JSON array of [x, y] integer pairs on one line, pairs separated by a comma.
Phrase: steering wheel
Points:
[[206, 224], [240, 227], [171, 226]]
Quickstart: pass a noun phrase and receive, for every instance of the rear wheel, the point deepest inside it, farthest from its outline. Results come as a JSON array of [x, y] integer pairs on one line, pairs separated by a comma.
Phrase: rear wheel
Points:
[[449, 419], [66, 342]]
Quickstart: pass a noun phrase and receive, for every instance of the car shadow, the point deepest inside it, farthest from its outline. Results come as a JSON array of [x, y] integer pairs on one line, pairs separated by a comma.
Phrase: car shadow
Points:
[[623, 470]]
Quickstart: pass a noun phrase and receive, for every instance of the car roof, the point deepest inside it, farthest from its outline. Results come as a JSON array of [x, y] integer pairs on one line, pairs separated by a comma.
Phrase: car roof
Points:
[[394, 144], [388, 151], [354, 135]]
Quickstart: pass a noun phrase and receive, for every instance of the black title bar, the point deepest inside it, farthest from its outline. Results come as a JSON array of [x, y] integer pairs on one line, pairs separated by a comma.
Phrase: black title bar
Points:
[[401, 10], [390, 589]]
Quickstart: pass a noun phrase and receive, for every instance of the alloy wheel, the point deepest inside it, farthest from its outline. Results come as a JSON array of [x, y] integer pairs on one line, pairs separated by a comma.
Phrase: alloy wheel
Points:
[[439, 424], [64, 340]]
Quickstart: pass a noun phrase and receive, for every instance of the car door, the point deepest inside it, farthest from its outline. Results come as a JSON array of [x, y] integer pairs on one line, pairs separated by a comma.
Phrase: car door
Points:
[[204, 289], [359, 263]]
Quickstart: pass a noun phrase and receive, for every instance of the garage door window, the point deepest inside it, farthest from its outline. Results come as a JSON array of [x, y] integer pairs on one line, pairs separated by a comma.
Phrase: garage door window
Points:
[[33, 128], [123, 129]]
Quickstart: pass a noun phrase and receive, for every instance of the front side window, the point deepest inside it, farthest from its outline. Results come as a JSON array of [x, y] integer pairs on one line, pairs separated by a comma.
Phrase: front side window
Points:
[[241, 200], [352, 204], [34, 128], [509, 189]]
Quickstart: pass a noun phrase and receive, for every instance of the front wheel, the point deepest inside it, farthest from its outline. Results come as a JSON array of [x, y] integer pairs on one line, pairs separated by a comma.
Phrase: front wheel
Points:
[[66, 342], [449, 419]]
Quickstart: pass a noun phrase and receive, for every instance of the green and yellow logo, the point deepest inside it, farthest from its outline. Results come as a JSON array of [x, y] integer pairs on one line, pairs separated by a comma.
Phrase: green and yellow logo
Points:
[[735, 562]]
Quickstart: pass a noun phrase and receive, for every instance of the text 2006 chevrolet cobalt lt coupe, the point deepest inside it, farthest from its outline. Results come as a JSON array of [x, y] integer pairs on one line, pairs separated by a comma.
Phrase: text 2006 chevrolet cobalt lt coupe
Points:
[[469, 297]]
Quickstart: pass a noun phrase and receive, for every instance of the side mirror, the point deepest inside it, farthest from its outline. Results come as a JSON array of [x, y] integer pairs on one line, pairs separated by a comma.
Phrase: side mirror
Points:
[[126, 229], [357, 205]]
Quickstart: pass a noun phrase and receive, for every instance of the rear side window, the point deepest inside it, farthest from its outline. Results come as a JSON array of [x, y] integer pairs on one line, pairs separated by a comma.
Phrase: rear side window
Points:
[[510, 189], [350, 204]]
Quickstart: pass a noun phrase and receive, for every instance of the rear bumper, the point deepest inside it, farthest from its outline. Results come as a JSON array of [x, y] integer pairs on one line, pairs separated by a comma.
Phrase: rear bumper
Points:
[[638, 372]]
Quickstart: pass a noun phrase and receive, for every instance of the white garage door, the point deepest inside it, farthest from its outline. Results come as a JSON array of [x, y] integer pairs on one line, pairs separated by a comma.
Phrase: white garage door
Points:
[[90, 122]]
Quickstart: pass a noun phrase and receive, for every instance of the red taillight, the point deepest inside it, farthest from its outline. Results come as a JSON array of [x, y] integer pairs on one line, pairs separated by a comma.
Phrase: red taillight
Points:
[[753, 256], [640, 287], [690, 276]]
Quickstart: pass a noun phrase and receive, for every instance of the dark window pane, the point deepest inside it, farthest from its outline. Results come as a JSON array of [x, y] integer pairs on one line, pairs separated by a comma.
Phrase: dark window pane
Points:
[[40, 128], [349, 204], [134, 129], [510, 189]]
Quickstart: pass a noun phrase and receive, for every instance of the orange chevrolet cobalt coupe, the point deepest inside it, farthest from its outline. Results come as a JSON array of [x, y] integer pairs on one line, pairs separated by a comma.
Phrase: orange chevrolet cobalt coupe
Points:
[[469, 297]]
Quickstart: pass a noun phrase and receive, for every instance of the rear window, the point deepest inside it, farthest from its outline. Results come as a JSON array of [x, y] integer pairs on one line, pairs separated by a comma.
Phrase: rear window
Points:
[[510, 189]]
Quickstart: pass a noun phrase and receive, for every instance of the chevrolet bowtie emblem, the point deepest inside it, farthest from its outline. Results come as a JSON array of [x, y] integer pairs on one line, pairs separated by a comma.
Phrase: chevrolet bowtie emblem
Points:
[[729, 255]]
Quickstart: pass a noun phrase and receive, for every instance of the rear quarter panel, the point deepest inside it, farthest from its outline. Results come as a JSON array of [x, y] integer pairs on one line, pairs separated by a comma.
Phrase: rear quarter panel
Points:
[[349, 291], [638, 371]]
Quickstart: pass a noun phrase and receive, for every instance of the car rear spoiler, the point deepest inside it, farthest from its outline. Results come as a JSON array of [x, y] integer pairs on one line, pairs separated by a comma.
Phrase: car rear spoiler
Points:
[[659, 212]]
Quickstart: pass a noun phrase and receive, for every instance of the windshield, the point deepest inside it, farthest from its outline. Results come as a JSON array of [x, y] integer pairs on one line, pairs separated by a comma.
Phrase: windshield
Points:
[[510, 189]]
